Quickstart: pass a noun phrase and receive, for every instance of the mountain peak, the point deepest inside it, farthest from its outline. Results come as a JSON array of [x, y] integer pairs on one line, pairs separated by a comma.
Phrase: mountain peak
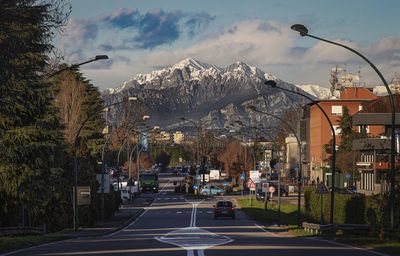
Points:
[[191, 63]]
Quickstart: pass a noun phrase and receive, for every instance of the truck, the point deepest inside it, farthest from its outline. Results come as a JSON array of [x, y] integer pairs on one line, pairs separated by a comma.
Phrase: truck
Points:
[[214, 174], [127, 191], [149, 182]]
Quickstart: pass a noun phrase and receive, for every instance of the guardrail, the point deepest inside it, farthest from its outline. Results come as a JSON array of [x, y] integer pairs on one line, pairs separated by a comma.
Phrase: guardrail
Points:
[[7, 231], [317, 228]]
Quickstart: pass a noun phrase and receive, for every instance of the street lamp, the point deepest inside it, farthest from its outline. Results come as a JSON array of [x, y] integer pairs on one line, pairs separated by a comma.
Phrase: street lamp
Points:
[[73, 66], [304, 32], [253, 108], [75, 172], [273, 84]]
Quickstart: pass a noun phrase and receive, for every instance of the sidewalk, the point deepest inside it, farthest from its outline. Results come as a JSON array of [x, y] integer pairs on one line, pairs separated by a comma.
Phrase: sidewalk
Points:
[[121, 219], [126, 214]]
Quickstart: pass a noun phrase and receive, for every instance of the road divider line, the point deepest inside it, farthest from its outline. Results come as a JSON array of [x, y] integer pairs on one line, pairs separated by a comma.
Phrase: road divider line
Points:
[[266, 231], [346, 245], [200, 252]]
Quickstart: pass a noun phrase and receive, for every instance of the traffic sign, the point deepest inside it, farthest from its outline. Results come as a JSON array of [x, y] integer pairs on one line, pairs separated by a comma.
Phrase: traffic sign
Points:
[[242, 176], [271, 189], [251, 185], [322, 189]]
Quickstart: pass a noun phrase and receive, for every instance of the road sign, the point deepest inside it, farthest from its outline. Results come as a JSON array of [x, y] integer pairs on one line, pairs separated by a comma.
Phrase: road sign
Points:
[[255, 176], [242, 176], [251, 185], [322, 189], [83, 193], [271, 189]]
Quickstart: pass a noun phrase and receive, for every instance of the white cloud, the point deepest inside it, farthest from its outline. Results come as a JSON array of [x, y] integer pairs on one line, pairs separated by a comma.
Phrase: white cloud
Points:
[[270, 45]]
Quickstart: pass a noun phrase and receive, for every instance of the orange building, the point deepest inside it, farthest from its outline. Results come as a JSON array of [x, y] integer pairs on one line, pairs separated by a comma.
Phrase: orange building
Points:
[[318, 131]]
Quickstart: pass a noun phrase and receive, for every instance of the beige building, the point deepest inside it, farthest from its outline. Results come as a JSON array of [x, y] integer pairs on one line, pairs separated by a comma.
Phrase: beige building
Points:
[[163, 136], [178, 137]]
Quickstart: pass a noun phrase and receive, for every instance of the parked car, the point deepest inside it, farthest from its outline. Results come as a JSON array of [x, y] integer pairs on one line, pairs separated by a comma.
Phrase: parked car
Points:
[[224, 209], [261, 195], [210, 190]]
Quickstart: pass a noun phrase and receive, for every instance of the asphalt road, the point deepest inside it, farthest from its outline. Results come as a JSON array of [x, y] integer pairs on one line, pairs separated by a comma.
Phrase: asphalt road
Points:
[[174, 226]]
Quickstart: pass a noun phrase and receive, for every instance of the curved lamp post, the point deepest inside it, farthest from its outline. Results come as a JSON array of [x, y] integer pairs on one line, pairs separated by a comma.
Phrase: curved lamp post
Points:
[[253, 108], [75, 171], [73, 66], [304, 32], [273, 84], [75, 193], [198, 126]]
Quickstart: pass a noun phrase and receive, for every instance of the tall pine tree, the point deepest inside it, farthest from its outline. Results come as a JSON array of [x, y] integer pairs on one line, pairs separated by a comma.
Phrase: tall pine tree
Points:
[[31, 144]]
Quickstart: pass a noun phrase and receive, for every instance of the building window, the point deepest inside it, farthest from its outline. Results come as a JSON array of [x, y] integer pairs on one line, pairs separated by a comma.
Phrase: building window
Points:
[[336, 110], [337, 129]]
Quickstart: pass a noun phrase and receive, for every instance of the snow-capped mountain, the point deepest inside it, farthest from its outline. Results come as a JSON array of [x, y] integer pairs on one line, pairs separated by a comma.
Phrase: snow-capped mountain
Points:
[[200, 91], [316, 91]]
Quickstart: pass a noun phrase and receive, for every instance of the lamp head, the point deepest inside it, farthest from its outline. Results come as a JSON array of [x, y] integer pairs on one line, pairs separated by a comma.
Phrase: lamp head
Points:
[[300, 28], [101, 57], [271, 83]]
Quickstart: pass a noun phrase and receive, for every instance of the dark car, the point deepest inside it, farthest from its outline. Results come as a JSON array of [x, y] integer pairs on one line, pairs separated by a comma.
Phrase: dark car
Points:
[[224, 209], [261, 195]]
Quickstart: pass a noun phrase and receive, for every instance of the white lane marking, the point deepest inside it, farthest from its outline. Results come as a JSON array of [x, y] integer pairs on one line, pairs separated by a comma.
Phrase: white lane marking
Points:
[[167, 198], [161, 191], [192, 238], [209, 211], [346, 245], [174, 198], [130, 224], [178, 212], [266, 231]]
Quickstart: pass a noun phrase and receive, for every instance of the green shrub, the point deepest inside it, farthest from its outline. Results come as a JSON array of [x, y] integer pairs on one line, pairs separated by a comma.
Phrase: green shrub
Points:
[[347, 209]]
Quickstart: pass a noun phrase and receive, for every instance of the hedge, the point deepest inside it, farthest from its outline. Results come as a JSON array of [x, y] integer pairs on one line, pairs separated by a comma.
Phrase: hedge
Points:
[[348, 208]]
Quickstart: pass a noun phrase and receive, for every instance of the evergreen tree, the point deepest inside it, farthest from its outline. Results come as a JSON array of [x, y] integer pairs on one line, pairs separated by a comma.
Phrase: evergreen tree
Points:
[[347, 133], [31, 144]]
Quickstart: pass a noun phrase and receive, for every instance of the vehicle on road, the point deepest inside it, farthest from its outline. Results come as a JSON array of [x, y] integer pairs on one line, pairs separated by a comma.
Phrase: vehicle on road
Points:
[[260, 195], [210, 190], [149, 182], [224, 209]]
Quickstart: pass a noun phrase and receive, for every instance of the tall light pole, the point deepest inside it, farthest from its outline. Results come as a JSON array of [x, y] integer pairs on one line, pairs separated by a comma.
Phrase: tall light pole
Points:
[[304, 32], [75, 161], [273, 84], [74, 66], [198, 126], [299, 173]]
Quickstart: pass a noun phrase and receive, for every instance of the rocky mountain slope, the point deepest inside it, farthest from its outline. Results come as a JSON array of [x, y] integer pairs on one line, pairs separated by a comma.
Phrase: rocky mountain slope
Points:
[[206, 94]]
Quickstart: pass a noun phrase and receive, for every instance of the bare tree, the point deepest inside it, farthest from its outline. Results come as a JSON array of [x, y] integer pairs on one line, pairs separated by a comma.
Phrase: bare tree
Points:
[[70, 100]]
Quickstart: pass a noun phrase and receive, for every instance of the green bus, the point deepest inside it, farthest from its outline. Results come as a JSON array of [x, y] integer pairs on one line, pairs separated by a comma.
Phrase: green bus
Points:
[[149, 182]]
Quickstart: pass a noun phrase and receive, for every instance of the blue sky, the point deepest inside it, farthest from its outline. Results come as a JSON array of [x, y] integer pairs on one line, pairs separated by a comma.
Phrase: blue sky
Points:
[[140, 36]]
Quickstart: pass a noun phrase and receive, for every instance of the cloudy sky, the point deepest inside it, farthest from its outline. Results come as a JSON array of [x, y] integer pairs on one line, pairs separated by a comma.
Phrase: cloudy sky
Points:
[[143, 35]]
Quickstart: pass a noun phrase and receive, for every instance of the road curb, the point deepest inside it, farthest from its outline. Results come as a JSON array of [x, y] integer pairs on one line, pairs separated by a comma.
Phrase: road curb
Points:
[[123, 225]]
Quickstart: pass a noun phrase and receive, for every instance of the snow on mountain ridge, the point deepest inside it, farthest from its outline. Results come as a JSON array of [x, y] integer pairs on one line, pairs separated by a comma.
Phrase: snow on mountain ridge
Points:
[[316, 91], [196, 71]]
